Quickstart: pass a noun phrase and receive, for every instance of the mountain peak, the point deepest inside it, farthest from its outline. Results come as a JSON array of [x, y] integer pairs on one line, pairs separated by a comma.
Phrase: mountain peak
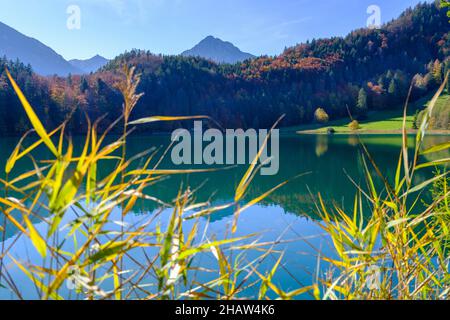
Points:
[[218, 50], [89, 65]]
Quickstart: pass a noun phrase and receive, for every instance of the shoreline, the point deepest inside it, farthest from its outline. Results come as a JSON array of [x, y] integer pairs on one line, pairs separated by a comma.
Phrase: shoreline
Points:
[[373, 132]]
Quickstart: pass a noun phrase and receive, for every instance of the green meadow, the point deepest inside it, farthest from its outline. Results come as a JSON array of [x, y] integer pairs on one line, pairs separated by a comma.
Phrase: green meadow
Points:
[[379, 122]]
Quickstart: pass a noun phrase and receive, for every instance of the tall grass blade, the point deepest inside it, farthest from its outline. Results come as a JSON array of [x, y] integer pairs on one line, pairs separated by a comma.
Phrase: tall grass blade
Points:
[[37, 124]]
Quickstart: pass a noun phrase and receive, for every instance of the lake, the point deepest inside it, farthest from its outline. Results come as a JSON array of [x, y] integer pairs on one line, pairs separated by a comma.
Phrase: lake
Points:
[[288, 215]]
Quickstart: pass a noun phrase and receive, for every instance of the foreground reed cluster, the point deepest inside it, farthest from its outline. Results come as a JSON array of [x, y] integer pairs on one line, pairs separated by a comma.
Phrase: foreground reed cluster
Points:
[[393, 245], [89, 249]]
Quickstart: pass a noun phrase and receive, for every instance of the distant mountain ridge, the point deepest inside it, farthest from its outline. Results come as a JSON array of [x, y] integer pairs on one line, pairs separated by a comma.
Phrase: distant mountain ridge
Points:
[[43, 59], [89, 65], [218, 51]]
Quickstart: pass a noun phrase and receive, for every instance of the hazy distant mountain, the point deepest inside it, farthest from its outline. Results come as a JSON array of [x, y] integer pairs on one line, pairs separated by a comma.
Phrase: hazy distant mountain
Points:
[[218, 51], [43, 59], [89, 65]]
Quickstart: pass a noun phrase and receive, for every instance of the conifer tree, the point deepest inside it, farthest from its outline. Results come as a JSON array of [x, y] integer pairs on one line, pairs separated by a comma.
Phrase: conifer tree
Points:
[[361, 106]]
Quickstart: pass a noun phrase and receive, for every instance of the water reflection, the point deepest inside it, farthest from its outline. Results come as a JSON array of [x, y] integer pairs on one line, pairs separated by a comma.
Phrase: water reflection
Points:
[[321, 145], [327, 160]]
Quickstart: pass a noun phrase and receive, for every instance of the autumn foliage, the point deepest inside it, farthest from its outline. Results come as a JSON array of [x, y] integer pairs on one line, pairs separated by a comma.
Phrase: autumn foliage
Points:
[[366, 70]]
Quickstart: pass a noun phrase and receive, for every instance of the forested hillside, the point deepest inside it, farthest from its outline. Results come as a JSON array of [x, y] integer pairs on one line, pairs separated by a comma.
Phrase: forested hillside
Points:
[[368, 69]]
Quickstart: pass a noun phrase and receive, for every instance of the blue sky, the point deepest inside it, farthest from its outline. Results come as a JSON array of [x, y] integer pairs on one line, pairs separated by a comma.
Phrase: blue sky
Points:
[[109, 27]]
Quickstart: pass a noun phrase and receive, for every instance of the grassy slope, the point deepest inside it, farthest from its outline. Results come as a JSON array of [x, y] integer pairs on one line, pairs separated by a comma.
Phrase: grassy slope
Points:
[[444, 100], [441, 114], [386, 121]]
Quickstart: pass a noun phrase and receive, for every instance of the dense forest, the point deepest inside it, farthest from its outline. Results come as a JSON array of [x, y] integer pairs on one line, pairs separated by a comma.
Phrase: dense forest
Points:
[[369, 69]]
